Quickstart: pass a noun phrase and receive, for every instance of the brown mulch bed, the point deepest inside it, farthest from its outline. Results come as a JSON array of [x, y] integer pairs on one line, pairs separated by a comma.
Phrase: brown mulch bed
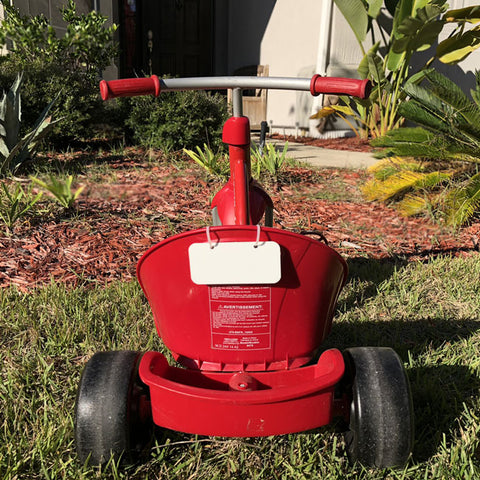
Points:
[[117, 219], [352, 144]]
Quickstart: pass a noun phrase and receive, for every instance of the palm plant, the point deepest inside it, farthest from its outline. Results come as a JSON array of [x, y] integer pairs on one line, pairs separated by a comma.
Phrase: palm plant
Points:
[[437, 164], [16, 203], [388, 52]]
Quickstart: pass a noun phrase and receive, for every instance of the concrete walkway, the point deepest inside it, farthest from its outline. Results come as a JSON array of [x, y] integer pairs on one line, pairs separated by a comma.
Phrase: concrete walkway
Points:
[[324, 157]]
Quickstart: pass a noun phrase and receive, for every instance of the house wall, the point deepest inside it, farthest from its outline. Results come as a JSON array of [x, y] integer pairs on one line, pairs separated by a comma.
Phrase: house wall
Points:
[[286, 37], [281, 35], [290, 47]]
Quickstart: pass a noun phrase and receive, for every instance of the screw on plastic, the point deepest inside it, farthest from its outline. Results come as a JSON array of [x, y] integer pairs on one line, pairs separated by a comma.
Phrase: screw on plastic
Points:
[[242, 382]]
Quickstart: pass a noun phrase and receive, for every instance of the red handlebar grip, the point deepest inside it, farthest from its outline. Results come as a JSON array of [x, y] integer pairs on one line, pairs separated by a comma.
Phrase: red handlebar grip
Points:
[[340, 86], [130, 87]]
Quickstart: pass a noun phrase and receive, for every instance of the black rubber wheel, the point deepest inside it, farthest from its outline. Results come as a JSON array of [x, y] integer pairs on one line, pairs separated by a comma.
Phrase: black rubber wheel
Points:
[[381, 425], [112, 410]]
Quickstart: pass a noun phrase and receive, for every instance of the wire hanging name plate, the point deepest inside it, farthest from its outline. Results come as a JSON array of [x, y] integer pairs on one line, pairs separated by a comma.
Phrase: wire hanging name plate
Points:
[[235, 263]]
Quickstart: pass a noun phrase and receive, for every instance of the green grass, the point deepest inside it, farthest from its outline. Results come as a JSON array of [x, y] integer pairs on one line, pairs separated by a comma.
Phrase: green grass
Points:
[[428, 312]]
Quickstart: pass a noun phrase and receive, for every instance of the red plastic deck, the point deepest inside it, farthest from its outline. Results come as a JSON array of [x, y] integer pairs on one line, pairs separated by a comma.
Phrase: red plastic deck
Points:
[[239, 404]]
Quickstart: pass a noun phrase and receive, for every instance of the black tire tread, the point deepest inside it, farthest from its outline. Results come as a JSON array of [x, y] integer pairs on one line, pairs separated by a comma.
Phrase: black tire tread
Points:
[[102, 409], [381, 426]]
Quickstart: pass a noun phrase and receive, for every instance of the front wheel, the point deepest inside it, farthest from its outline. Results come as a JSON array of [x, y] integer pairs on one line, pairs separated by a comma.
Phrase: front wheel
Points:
[[381, 425], [112, 410]]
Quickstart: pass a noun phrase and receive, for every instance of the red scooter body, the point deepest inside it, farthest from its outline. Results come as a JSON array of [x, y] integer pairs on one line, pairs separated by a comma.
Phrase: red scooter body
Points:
[[243, 308]]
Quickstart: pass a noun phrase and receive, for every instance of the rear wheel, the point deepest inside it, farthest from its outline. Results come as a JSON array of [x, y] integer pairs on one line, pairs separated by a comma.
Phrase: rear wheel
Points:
[[112, 410], [381, 414]]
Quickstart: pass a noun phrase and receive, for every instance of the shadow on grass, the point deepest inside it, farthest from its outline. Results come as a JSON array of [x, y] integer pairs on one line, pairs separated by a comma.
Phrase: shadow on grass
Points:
[[371, 271], [440, 391], [440, 394]]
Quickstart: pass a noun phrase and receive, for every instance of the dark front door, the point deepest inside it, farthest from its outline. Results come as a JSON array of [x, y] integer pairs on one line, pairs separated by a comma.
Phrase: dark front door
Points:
[[171, 37]]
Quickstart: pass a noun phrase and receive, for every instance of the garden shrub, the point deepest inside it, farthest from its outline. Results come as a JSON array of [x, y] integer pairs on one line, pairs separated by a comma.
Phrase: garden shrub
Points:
[[68, 66], [433, 168], [177, 120]]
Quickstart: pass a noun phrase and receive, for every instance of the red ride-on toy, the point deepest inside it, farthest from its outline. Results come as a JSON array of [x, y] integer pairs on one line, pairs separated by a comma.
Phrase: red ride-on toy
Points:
[[243, 308]]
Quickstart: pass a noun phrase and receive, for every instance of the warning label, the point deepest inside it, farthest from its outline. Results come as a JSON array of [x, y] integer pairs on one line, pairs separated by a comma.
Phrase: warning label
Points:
[[240, 318]]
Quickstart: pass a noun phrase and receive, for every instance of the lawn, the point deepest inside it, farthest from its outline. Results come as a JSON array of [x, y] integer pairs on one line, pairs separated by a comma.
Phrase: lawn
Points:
[[419, 296]]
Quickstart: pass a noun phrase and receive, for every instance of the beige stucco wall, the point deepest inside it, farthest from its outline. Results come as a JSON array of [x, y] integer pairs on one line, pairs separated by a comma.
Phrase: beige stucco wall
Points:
[[289, 44], [282, 34], [285, 37]]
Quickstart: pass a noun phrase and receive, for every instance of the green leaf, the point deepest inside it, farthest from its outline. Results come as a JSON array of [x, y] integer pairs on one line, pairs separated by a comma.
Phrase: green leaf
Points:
[[415, 28], [447, 90], [15, 203], [468, 14], [405, 9], [419, 32], [458, 47], [404, 135], [426, 36], [4, 151], [395, 60], [376, 68], [374, 7], [464, 202], [425, 98], [476, 92], [413, 150], [356, 15], [457, 107], [416, 112], [61, 189], [410, 142], [363, 66], [11, 112], [416, 78]]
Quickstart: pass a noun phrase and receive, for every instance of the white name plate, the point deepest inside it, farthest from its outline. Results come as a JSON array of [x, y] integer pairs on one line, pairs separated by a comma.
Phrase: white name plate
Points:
[[235, 263]]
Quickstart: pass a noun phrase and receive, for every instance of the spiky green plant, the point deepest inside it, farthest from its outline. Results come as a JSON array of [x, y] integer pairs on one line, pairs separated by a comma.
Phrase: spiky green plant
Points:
[[16, 203], [61, 189], [215, 164], [269, 160], [14, 151], [440, 159]]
